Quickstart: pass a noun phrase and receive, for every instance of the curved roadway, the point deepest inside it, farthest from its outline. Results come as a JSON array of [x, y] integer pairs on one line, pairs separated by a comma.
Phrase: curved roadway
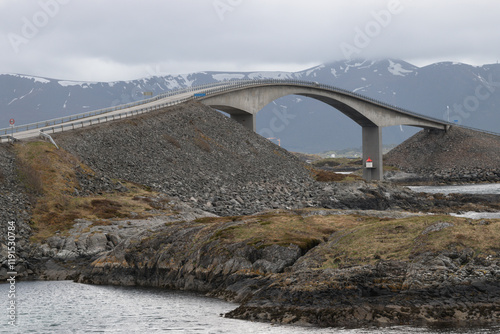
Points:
[[175, 97]]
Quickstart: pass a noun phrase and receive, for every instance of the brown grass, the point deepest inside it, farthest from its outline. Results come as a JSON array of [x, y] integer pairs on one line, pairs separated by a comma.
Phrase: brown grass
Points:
[[326, 163], [41, 166], [30, 178], [402, 239], [346, 240], [172, 140], [281, 228], [105, 208], [52, 173], [202, 144], [214, 220], [328, 176]]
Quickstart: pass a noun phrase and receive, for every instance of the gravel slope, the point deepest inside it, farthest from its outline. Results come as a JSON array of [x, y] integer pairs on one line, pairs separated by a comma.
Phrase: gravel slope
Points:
[[457, 155]]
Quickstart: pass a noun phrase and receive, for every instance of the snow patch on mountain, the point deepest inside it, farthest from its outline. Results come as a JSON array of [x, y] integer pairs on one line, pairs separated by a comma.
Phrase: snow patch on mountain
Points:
[[270, 75], [66, 83], [227, 76], [37, 79], [360, 65], [360, 88], [172, 84], [31, 91], [187, 82], [397, 69], [314, 69]]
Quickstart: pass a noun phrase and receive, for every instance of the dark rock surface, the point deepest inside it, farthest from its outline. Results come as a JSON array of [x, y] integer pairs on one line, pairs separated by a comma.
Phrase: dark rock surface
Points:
[[65, 256], [447, 288], [197, 155], [15, 207]]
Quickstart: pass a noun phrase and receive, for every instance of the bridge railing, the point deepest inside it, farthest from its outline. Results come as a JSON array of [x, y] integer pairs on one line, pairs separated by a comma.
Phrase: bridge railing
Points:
[[107, 118], [226, 86], [64, 119], [6, 138], [237, 84], [70, 118], [214, 89]]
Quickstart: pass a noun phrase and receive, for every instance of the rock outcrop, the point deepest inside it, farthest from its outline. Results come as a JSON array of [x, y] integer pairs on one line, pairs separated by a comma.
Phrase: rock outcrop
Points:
[[450, 288], [288, 283]]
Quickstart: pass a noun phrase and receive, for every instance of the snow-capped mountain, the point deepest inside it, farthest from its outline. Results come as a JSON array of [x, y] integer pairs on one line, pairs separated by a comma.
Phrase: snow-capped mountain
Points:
[[456, 92]]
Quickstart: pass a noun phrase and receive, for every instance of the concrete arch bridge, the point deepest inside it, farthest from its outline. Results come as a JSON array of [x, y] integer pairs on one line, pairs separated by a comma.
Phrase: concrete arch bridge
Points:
[[244, 99]]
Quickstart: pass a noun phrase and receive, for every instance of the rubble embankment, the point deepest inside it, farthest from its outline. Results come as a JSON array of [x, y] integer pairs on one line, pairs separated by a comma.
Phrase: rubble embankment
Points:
[[457, 156]]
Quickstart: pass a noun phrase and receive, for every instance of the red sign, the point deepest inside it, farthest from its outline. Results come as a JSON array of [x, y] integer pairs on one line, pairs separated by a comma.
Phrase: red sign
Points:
[[368, 160], [12, 121]]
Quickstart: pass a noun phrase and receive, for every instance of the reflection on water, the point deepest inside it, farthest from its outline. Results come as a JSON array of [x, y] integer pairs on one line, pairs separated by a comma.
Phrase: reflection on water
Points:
[[67, 307], [482, 189], [477, 215], [491, 188]]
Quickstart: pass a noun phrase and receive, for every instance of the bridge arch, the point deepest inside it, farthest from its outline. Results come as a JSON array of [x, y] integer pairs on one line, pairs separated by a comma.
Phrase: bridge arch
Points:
[[244, 102]]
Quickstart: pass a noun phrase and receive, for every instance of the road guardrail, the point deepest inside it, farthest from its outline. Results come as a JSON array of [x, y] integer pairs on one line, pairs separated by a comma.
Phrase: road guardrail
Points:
[[201, 92]]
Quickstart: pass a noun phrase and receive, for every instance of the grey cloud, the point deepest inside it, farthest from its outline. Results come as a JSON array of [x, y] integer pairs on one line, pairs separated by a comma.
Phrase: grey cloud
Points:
[[120, 39]]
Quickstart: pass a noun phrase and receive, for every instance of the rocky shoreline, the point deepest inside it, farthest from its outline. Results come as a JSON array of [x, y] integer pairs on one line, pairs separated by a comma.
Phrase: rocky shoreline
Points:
[[278, 283], [444, 177], [430, 290]]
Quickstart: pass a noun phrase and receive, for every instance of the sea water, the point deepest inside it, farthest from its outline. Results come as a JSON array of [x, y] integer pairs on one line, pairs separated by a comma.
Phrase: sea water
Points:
[[489, 188], [68, 307], [480, 189]]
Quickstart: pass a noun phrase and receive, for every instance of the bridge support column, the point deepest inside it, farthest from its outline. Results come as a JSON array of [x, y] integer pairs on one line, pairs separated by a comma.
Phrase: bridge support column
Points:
[[247, 120], [372, 148]]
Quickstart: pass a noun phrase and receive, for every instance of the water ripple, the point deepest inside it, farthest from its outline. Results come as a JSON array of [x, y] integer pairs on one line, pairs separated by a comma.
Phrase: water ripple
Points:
[[68, 307]]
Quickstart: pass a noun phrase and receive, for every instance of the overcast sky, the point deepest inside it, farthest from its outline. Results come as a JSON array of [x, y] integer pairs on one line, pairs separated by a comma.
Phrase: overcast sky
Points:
[[110, 40]]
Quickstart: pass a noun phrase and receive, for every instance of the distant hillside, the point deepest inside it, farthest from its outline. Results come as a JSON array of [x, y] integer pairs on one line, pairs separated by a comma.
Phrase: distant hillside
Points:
[[302, 124]]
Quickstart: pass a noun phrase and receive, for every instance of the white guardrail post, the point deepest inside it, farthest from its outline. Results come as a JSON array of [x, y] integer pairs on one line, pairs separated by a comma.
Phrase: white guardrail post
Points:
[[47, 136]]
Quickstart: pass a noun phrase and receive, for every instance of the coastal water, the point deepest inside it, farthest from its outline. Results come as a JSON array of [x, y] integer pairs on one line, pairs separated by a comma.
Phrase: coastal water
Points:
[[479, 189], [490, 188], [68, 307]]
